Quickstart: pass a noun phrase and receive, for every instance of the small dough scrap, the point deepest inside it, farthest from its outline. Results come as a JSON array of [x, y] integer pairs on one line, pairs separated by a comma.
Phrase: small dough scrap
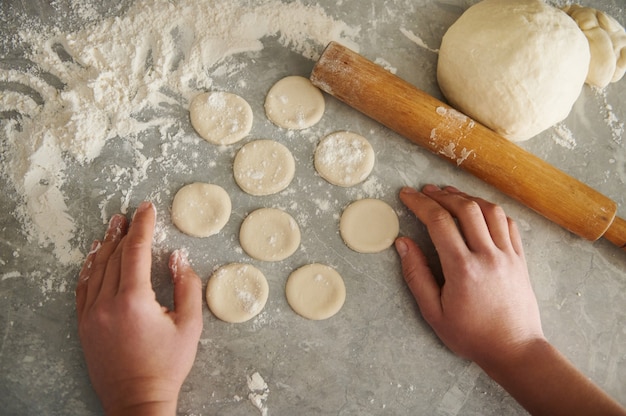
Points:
[[201, 209], [294, 103], [607, 44], [315, 291], [516, 66], [269, 234], [263, 167], [369, 226], [344, 158], [220, 117], [237, 292]]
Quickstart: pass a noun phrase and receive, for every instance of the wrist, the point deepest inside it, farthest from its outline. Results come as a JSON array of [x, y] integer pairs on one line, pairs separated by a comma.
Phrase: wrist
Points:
[[501, 363], [140, 397], [161, 408]]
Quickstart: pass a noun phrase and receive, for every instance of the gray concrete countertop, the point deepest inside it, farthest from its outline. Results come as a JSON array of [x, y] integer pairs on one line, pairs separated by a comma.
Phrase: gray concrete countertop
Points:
[[377, 355]]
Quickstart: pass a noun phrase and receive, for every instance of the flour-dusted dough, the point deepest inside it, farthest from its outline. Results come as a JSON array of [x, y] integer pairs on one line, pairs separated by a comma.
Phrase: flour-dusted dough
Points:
[[294, 103], [201, 209], [344, 158], [263, 167], [369, 226], [607, 44], [237, 292], [516, 66], [315, 291], [269, 234], [220, 117]]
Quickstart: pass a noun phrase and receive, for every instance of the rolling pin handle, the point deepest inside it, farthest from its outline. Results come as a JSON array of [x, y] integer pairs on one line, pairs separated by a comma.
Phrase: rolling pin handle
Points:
[[616, 233]]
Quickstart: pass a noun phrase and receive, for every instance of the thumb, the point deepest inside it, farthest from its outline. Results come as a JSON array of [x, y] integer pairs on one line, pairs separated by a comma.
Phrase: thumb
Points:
[[187, 291], [419, 278]]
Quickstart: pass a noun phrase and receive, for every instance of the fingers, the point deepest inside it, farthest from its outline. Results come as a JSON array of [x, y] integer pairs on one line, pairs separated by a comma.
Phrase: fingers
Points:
[[468, 213], [420, 279], [494, 217], [83, 276], [112, 274], [440, 224], [483, 225], [187, 291], [118, 227], [516, 238], [136, 258]]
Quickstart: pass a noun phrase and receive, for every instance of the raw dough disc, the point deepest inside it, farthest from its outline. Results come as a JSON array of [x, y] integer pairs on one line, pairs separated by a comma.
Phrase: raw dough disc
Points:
[[201, 209], [344, 158], [315, 291], [269, 234], [369, 226], [220, 117], [294, 103], [263, 167], [237, 292]]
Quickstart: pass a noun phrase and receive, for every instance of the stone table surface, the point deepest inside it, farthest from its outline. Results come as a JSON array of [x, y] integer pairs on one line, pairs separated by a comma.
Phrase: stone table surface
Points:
[[377, 355]]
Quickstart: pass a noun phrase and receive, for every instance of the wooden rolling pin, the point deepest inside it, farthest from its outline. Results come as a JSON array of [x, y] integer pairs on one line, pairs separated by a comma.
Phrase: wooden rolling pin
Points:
[[444, 131]]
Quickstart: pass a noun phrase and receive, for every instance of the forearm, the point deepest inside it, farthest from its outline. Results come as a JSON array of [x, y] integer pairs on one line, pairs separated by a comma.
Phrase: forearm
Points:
[[544, 382]]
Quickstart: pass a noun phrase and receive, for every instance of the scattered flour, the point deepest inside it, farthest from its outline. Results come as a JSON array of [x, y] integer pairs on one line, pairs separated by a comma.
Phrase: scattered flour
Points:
[[386, 65], [10, 275], [259, 392], [417, 40], [611, 120], [112, 73], [563, 136]]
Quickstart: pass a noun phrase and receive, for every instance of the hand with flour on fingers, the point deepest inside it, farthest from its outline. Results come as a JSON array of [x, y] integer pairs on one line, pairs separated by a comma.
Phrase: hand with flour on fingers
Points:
[[486, 310], [138, 353]]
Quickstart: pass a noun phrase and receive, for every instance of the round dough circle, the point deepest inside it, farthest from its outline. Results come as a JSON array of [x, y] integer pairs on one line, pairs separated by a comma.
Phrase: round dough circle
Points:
[[344, 158], [369, 226], [294, 103], [315, 291], [263, 167], [201, 209], [237, 292], [269, 234], [220, 117], [515, 66]]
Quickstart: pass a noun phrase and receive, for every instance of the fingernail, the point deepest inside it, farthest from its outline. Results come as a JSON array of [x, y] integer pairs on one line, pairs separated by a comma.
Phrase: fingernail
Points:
[[452, 189], [182, 256], [408, 190], [178, 258], [115, 225], [95, 246], [431, 188], [401, 247], [144, 207]]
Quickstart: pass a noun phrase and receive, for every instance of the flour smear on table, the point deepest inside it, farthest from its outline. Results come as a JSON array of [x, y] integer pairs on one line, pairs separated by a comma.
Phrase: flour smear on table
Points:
[[158, 54]]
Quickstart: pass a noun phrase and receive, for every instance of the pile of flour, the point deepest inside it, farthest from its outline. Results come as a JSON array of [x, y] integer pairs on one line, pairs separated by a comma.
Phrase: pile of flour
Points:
[[158, 54]]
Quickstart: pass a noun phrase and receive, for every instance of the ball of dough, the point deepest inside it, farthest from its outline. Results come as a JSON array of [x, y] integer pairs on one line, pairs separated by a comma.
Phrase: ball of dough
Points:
[[220, 117], [294, 103], [515, 66], [344, 158], [237, 292], [263, 167], [315, 291], [269, 234], [201, 209], [369, 226], [607, 44]]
